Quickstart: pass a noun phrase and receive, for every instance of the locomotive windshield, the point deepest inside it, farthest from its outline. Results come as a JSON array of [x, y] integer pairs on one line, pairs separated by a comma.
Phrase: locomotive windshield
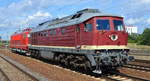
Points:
[[102, 24], [118, 25]]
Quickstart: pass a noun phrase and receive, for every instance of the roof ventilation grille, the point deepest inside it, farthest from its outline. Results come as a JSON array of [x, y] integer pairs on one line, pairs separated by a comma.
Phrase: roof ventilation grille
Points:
[[89, 11], [76, 16]]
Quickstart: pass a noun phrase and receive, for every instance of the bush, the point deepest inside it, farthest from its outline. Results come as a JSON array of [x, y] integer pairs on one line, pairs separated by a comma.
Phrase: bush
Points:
[[133, 38], [144, 38]]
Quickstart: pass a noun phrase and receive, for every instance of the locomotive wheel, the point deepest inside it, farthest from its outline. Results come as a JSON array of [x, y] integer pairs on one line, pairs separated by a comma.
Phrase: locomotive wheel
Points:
[[28, 54], [88, 64], [56, 58], [38, 55], [32, 53], [35, 54]]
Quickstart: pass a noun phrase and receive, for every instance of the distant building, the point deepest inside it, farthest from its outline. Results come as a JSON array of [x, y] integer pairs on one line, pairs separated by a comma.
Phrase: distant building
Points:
[[131, 29]]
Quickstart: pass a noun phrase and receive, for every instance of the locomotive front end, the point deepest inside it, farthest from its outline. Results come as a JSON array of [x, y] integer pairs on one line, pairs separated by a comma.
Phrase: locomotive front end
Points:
[[110, 47], [107, 60]]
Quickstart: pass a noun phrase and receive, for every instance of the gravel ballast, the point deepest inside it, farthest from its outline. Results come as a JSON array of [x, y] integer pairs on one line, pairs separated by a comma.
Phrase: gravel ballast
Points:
[[52, 72]]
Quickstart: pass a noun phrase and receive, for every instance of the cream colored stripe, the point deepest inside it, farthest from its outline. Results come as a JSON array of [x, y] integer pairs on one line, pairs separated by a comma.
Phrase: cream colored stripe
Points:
[[87, 47], [104, 47], [53, 46]]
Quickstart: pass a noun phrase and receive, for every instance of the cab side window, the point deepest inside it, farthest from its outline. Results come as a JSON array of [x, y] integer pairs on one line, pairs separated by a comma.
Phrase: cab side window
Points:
[[24, 35], [53, 32], [88, 27], [78, 28], [63, 31]]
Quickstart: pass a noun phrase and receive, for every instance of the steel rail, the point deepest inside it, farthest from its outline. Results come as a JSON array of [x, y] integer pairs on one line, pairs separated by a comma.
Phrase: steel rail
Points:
[[3, 74], [24, 69], [138, 67]]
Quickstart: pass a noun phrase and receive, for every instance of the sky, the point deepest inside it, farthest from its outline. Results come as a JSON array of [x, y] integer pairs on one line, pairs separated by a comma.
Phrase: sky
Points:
[[20, 14]]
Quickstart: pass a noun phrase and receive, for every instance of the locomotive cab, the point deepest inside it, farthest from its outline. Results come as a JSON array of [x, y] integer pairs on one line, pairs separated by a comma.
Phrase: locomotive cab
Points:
[[111, 32], [104, 33]]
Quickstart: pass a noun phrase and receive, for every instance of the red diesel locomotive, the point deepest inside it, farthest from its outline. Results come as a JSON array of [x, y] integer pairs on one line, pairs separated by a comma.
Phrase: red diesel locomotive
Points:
[[87, 39], [19, 41]]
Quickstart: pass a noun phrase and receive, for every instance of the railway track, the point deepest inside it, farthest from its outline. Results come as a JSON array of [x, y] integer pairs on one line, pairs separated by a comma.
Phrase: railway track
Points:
[[117, 76], [3, 76], [13, 71], [142, 61], [112, 76], [138, 67]]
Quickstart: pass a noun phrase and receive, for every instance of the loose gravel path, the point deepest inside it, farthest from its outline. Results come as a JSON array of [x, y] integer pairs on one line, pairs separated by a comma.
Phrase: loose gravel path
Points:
[[141, 57], [137, 73], [140, 63], [13, 73], [56, 73], [140, 54], [52, 72], [3, 77]]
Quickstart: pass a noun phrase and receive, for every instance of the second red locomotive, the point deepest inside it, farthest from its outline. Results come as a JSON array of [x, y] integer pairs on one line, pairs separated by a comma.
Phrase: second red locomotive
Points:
[[20, 40], [87, 39]]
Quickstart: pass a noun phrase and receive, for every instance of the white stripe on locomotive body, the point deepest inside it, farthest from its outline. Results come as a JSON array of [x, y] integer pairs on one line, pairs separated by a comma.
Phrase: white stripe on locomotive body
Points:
[[67, 21], [96, 47], [87, 47]]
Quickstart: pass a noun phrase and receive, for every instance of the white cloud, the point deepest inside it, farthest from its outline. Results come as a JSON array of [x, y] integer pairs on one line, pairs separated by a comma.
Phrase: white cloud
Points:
[[148, 21], [135, 8], [22, 10], [144, 1], [34, 19], [39, 14], [2, 25], [132, 21], [30, 12]]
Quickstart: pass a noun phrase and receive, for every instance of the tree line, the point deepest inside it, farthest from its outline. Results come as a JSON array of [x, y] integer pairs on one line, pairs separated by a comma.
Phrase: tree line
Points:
[[141, 39]]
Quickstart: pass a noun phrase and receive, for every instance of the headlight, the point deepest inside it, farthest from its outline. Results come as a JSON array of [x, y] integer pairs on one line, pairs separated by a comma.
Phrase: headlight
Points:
[[113, 37]]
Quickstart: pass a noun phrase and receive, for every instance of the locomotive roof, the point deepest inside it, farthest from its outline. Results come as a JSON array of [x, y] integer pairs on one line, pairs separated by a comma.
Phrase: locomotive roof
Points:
[[22, 31], [77, 18]]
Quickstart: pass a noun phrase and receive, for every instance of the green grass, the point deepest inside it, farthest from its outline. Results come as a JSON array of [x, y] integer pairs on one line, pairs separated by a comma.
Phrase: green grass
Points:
[[3, 44], [134, 45]]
